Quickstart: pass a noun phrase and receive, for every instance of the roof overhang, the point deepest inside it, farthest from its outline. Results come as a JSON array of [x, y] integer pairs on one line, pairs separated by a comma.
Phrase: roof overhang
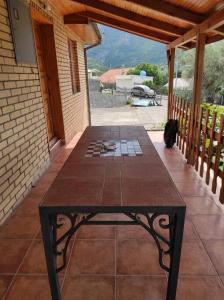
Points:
[[86, 29], [172, 22]]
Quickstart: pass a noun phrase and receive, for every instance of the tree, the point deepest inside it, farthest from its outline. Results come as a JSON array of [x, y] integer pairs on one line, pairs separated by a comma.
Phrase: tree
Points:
[[213, 68], [186, 63], [148, 83], [159, 78]]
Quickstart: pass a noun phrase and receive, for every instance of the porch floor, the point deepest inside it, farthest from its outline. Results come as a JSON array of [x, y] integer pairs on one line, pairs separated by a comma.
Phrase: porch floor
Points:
[[117, 262]]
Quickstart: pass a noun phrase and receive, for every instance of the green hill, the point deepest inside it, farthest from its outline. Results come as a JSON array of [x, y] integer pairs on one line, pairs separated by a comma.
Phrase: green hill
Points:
[[119, 48]]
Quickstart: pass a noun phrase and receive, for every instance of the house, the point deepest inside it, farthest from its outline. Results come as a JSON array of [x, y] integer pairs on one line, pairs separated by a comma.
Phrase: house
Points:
[[109, 77], [181, 84], [107, 263], [93, 73], [127, 82], [43, 94]]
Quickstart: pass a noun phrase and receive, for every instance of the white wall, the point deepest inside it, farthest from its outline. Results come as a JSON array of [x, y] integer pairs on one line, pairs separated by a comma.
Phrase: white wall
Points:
[[129, 81]]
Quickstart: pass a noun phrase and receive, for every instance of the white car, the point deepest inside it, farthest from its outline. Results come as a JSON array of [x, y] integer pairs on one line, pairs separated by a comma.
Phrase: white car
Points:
[[142, 91]]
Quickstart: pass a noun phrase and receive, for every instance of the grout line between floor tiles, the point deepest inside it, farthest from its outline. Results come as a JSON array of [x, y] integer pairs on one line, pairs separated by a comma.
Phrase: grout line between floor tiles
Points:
[[209, 255], [95, 239], [18, 239], [221, 280], [66, 269], [199, 238], [116, 240], [197, 275], [22, 261], [14, 274], [69, 259], [142, 275]]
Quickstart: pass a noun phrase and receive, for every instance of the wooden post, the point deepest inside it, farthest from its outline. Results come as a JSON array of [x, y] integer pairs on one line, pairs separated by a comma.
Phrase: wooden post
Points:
[[87, 86], [196, 96], [170, 58]]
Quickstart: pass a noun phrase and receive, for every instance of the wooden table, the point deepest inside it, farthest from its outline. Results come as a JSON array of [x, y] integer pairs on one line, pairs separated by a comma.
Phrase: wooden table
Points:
[[131, 180]]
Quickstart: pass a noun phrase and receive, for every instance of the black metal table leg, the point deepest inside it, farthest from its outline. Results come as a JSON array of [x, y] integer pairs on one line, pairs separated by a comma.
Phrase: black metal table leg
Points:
[[48, 239], [172, 245], [176, 243]]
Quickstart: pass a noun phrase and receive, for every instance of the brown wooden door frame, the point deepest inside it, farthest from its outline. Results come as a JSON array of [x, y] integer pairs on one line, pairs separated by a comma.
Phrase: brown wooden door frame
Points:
[[43, 77], [46, 31]]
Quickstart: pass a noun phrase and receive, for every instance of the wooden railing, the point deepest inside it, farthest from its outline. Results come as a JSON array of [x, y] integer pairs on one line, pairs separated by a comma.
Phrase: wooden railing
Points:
[[207, 144], [181, 111]]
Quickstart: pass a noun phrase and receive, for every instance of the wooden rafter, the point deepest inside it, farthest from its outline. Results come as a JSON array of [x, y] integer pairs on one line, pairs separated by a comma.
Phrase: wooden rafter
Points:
[[78, 19], [219, 30], [153, 24], [212, 23], [187, 37], [214, 39], [171, 10], [115, 23]]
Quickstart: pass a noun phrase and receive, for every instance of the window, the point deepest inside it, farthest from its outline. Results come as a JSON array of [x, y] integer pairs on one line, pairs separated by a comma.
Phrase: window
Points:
[[74, 66]]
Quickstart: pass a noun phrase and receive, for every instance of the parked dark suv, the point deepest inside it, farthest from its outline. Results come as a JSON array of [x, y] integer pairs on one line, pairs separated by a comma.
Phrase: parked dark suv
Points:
[[142, 91]]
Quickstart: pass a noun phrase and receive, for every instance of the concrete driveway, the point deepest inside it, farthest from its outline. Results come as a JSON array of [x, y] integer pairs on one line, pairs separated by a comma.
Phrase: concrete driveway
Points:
[[152, 117]]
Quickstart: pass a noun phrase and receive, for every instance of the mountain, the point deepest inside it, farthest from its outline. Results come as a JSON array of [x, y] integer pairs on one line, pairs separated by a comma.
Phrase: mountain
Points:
[[119, 48]]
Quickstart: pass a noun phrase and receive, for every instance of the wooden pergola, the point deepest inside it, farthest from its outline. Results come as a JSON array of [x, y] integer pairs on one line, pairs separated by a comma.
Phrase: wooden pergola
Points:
[[184, 24]]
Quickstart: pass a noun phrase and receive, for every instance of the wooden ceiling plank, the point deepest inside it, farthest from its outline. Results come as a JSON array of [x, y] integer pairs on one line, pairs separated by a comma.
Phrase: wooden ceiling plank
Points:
[[210, 24], [115, 23], [133, 16], [172, 10]]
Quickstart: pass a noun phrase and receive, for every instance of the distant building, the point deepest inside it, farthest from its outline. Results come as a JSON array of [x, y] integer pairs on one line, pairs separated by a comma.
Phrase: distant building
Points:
[[109, 77], [93, 73], [129, 81], [94, 82], [181, 84]]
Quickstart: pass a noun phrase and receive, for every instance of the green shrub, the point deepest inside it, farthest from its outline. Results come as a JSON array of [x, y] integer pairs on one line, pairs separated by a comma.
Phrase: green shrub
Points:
[[129, 101]]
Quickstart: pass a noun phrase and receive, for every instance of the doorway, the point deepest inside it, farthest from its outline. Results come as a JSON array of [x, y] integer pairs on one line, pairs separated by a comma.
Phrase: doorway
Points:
[[48, 74]]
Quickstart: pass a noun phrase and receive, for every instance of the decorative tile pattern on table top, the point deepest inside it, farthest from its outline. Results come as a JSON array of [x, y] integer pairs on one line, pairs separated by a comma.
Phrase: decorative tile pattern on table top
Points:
[[115, 148]]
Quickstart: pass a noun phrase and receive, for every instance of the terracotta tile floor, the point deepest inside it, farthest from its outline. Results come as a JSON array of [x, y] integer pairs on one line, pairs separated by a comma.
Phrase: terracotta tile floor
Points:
[[117, 262]]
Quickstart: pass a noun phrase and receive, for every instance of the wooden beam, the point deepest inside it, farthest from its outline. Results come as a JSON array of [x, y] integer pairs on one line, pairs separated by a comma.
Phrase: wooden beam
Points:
[[196, 97], [149, 22], [187, 37], [173, 11], [171, 62], [219, 30], [78, 19], [198, 70], [211, 23], [144, 32], [214, 39], [190, 45]]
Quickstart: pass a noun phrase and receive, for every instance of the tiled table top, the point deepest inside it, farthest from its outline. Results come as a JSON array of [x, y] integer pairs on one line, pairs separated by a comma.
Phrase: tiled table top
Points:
[[113, 180]]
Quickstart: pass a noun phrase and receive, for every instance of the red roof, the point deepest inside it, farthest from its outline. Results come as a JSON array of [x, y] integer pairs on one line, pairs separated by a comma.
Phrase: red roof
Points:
[[110, 75]]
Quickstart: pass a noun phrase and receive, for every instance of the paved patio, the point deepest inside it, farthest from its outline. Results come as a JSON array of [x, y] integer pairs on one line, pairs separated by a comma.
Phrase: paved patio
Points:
[[117, 262], [151, 117]]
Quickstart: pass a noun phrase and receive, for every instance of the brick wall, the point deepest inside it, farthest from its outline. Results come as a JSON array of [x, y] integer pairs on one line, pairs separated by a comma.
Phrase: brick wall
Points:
[[75, 108], [24, 151]]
